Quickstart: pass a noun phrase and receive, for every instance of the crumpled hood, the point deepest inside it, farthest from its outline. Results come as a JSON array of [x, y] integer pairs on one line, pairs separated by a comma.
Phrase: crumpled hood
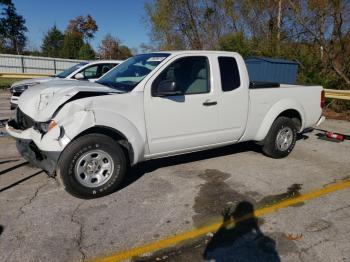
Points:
[[33, 80], [41, 101]]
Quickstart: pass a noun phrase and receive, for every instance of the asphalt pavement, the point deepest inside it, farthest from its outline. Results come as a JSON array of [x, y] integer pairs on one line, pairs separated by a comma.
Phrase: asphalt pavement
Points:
[[39, 221]]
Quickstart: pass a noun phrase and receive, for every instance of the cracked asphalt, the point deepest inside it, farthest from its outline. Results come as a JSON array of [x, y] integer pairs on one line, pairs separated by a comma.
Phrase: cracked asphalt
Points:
[[39, 221]]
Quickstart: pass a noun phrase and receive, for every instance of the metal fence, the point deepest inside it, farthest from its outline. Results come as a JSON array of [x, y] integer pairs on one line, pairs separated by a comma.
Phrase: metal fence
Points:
[[34, 64], [338, 94]]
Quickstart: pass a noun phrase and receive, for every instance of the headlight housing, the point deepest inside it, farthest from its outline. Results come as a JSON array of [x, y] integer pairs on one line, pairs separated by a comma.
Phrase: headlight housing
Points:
[[18, 89], [44, 127], [22, 88]]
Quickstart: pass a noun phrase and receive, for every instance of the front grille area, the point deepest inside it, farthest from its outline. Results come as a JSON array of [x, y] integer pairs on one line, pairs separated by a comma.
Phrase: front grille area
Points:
[[17, 93], [23, 121]]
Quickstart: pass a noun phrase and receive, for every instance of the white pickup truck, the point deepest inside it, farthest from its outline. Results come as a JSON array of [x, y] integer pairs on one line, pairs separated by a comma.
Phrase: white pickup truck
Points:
[[156, 105]]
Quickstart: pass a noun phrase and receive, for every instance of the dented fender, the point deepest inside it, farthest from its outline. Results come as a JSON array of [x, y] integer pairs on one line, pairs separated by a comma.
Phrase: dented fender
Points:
[[76, 118]]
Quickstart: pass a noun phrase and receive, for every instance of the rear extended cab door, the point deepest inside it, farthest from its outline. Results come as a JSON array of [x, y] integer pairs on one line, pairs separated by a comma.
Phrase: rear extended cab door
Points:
[[201, 118], [234, 97]]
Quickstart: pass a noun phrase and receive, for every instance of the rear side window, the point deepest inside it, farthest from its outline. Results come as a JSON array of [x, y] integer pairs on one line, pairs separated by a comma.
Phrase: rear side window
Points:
[[229, 73], [106, 67]]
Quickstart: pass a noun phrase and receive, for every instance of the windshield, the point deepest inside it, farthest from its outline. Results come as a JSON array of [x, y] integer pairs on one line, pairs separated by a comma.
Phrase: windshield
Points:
[[128, 74], [70, 70]]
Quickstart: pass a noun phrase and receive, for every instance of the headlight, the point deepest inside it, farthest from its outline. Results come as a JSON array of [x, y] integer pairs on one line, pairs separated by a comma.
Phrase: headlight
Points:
[[22, 88], [44, 127], [18, 89]]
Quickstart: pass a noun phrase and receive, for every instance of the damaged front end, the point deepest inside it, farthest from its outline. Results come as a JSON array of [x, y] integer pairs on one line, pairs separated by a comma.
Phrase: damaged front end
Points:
[[43, 159], [43, 116], [27, 131]]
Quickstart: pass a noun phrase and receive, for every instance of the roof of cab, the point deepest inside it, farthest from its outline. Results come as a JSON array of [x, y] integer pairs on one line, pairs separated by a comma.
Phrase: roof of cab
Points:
[[175, 52]]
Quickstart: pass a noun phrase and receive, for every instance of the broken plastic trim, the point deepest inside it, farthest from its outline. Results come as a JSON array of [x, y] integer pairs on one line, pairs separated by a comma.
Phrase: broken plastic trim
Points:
[[23, 121], [42, 127]]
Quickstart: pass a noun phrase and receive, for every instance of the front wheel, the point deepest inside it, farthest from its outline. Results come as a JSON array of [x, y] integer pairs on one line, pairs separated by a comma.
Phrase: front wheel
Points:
[[92, 166], [281, 138]]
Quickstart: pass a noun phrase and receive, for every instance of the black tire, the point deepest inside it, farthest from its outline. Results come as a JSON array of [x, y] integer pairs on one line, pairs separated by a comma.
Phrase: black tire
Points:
[[82, 146], [270, 147]]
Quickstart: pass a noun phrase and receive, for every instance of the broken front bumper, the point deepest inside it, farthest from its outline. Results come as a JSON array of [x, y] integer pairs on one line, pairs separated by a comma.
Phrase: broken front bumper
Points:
[[43, 159], [41, 150]]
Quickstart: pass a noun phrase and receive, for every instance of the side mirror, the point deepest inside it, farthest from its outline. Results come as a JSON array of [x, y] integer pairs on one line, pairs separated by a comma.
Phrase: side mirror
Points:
[[168, 88], [79, 76]]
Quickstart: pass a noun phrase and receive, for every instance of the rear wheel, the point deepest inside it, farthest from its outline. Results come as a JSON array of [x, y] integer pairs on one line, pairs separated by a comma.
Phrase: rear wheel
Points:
[[281, 138], [92, 166]]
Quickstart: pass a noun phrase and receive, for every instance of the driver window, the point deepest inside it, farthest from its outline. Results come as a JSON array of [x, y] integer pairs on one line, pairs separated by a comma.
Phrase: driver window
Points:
[[90, 72], [106, 67], [190, 73]]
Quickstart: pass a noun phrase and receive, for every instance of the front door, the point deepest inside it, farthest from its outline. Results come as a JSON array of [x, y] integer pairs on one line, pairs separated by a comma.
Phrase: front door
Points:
[[181, 123]]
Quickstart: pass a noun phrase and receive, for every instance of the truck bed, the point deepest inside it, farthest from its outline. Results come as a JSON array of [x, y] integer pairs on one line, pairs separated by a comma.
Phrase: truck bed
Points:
[[265, 101]]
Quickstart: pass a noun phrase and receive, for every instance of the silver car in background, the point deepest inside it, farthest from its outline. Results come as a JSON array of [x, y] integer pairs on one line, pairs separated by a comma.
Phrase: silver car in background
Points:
[[90, 71]]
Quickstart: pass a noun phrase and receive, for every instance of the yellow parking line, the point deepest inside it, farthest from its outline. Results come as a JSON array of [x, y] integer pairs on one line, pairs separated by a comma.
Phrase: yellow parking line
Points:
[[173, 240]]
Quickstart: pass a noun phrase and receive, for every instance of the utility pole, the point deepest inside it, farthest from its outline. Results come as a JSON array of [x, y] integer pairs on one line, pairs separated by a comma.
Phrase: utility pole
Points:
[[279, 19]]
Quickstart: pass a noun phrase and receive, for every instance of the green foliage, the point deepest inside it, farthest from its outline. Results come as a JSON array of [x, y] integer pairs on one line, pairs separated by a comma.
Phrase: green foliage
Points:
[[315, 33], [74, 43], [86, 26], [235, 43], [12, 29], [124, 52], [71, 45], [7, 82], [33, 52], [52, 42], [86, 52]]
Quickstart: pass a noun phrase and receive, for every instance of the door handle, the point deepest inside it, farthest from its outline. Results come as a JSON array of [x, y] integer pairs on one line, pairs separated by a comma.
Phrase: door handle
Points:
[[210, 103]]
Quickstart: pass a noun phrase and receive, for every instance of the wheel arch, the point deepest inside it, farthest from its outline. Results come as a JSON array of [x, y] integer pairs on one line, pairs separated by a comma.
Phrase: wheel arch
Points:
[[294, 115], [286, 107], [116, 135], [112, 124]]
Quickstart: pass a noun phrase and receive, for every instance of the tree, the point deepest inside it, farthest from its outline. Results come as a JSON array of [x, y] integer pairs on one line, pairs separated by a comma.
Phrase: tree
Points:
[[124, 52], [85, 26], [72, 44], [316, 33], [110, 48], [235, 43], [190, 24], [79, 29], [86, 52], [173, 24], [327, 24], [52, 43], [12, 28], [146, 48]]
